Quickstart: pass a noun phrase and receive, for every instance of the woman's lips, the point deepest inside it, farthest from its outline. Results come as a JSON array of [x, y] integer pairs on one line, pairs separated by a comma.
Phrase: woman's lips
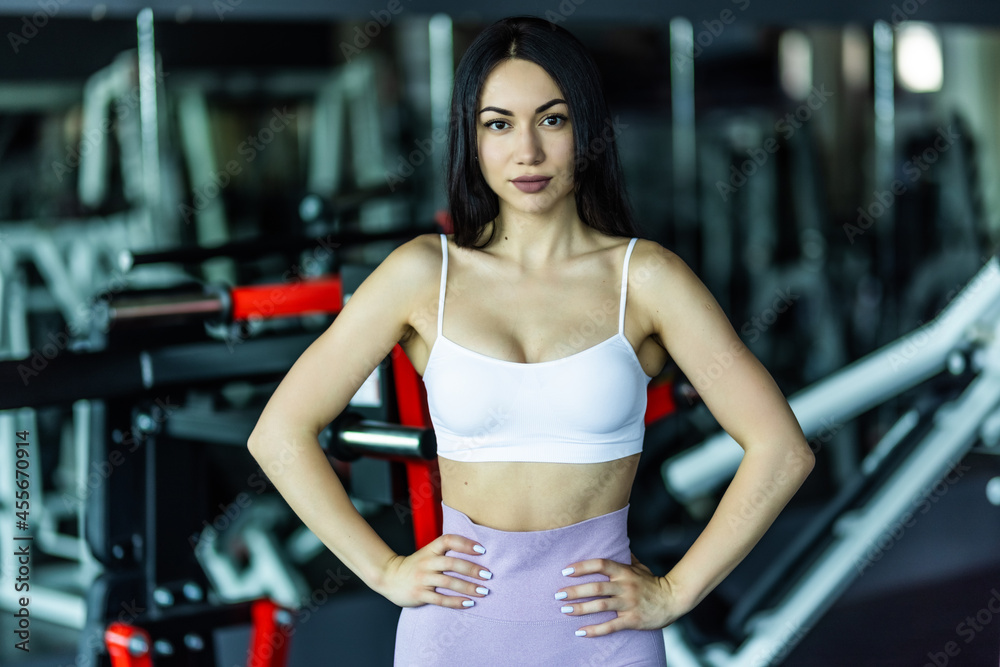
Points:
[[531, 186]]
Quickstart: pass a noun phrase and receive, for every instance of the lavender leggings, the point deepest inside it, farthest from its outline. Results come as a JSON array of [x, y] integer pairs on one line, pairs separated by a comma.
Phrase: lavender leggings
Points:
[[519, 622]]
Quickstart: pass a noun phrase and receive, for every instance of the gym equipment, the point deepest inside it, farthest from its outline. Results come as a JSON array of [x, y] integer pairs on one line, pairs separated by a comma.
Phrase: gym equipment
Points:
[[962, 338], [131, 545], [682, 120]]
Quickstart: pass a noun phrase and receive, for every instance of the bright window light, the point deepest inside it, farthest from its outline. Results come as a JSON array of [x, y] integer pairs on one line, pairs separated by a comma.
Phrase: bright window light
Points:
[[918, 57], [795, 54]]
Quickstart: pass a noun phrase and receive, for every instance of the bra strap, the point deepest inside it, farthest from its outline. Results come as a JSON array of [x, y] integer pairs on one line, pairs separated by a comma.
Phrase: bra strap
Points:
[[444, 280], [621, 313]]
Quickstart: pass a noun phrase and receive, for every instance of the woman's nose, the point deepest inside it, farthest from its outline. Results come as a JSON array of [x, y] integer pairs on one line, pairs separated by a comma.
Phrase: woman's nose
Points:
[[529, 147]]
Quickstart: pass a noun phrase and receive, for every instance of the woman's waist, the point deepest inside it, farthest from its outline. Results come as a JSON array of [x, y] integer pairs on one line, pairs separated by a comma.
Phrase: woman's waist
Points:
[[532, 514], [518, 496]]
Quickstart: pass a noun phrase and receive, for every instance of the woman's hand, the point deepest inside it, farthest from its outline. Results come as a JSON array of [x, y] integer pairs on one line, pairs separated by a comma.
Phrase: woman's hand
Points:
[[409, 581], [643, 600]]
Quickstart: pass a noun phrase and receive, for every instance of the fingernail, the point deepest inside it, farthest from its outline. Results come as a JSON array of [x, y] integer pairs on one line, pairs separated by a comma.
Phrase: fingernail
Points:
[[568, 571], [485, 575], [481, 590], [467, 603], [479, 549], [567, 610], [581, 633], [562, 595]]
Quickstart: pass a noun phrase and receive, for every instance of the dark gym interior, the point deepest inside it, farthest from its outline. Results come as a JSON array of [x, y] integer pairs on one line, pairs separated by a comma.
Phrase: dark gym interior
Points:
[[189, 193]]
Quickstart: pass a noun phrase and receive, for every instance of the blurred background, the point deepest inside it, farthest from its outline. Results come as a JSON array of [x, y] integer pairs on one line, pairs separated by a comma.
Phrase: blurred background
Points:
[[189, 192]]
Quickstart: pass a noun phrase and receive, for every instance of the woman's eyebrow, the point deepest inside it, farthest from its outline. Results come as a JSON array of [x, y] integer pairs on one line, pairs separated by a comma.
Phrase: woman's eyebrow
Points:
[[538, 110]]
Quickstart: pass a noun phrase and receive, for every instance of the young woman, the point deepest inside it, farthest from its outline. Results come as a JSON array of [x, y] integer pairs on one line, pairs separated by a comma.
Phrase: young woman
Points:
[[536, 376]]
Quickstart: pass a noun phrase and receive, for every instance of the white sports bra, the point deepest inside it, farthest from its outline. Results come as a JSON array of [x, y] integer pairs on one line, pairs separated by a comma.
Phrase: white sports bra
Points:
[[585, 408]]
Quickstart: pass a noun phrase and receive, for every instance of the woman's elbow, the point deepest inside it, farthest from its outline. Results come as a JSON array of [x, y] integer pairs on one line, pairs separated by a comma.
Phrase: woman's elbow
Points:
[[258, 439], [804, 460], [253, 444], [274, 438]]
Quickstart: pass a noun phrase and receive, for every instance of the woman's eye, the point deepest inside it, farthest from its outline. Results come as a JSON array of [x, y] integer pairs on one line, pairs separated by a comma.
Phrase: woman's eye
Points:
[[493, 124]]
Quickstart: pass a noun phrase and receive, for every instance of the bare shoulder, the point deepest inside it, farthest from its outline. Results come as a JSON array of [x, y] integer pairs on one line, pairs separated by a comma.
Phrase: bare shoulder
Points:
[[668, 292], [653, 268], [648, 252], [417, 259], [413, 269]]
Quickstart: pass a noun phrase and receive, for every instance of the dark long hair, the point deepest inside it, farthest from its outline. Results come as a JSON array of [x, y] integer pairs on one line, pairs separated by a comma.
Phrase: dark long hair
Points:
[[601, 200]]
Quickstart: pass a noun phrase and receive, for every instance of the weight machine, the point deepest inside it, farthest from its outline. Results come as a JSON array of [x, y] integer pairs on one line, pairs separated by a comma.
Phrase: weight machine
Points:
[[921, 448]]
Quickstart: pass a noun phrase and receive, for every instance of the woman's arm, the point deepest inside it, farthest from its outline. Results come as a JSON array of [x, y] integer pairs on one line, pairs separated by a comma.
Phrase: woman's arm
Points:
[[319, 387], [297, 466], [746, 402]]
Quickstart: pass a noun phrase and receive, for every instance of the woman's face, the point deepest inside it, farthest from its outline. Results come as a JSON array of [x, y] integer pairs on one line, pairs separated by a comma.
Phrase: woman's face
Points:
[[524, 129]]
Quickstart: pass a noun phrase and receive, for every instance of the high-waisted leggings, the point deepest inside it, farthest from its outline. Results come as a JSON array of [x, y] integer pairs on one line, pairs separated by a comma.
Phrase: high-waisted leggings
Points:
[[519, 621]]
